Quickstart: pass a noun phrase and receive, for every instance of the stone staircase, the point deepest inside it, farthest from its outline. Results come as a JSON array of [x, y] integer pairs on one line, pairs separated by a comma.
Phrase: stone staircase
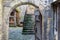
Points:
[[28, 25], [27, 30]]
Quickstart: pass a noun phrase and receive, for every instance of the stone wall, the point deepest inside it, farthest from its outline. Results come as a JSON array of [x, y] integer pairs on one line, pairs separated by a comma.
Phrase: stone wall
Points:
[[1, 21]]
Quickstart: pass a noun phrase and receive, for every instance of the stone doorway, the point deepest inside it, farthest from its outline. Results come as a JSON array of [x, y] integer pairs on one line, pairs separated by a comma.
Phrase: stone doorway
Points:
[[39, 19], [8, 9]]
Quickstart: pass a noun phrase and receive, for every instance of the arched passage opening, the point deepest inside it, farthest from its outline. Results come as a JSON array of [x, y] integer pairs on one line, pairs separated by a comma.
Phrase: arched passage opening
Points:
[[39, 16]]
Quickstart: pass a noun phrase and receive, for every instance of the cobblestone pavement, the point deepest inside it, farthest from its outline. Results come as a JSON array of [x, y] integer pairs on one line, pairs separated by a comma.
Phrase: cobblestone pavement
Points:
[[15, 33]]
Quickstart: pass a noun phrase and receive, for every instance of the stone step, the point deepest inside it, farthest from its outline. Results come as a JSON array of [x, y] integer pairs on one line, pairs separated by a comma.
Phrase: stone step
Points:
[[28, 30], [28, 26], [28, 33]]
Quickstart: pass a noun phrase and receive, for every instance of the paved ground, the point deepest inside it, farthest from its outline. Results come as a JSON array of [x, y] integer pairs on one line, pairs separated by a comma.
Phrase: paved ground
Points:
[[15, 33]]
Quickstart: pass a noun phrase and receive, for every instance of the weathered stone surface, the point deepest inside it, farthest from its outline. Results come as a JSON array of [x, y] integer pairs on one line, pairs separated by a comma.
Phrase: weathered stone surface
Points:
[[10, 4], [1, 9]]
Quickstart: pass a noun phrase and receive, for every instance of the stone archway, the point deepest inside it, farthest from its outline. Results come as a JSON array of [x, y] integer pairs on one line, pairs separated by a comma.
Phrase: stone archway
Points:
[[7, 10], [27, 3], [23, 3]]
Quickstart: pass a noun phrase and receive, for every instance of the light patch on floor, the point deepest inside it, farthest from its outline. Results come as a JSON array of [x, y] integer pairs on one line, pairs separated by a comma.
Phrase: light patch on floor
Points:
[[15, 33]]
